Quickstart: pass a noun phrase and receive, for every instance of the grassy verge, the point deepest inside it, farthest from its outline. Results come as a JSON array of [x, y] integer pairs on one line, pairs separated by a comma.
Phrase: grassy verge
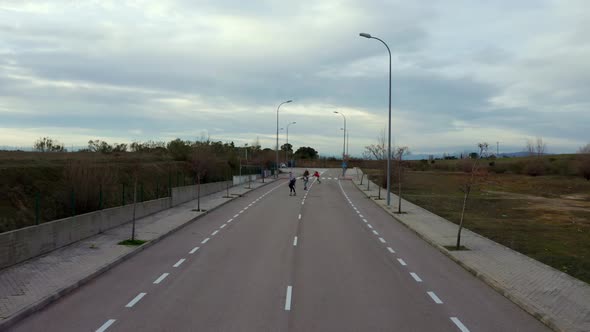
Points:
[[130, 242], [546, 218]]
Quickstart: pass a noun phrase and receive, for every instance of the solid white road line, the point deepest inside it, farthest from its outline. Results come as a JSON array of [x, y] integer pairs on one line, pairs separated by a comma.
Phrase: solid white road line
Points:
[[391, 250], [205, 241], [135, 300], [459, 324], [434, 298], [222, 226], [382, 240], [180, 261], [300, 216], [106, 325], [288, 299], [415, 276], [213, 234], [237, 215], [401, 261], [194, 250], [295, 242], [162, 277], [375, 232]]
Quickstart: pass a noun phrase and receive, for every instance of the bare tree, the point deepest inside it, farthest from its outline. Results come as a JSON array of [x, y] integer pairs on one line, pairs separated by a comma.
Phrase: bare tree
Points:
[[377, 151], [472, 180], [201, 161], [584, 149], [584, 166], [537, 147], [399, 155], [48, 144]]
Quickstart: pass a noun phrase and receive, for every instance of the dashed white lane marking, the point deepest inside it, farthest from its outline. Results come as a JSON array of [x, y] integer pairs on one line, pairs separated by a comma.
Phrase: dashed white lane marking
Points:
[[222, 226], [375, 232], [382, 240], [415, 276], [213, 234], [135, 300], [434, 298], [365, 220], [249, 205], [369, 225], [401, 261], [303, 202], [180, 261], [106, 325], [237, 215], [288, 299], [391, 250], [246, 208], [194, 250], [360, 215], [300, 216], [459, 324], [295, 242], [230, 220], [241, 211], [160, 278], [205, 241]]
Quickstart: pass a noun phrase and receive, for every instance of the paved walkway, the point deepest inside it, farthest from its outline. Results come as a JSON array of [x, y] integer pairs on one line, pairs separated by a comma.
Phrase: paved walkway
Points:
[[557, 299], [28, 286]]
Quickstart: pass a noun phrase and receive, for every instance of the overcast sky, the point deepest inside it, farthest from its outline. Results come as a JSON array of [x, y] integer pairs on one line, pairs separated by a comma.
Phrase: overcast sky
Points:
[[463, 72]]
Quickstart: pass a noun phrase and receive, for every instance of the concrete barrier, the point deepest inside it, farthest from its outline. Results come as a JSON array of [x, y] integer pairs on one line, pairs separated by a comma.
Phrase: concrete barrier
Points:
[[21, 244]]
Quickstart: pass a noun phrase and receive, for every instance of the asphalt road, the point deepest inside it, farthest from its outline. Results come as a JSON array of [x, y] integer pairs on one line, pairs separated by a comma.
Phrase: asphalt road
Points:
[[325, 260]]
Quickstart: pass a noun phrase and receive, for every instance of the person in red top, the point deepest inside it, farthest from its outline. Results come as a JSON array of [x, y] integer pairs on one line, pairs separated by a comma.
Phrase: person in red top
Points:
[[317, 175]]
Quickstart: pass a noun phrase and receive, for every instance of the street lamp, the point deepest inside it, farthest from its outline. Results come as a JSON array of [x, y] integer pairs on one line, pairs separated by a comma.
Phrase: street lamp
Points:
[[366, 35], [343, 143], [277, 149], [287, 145]]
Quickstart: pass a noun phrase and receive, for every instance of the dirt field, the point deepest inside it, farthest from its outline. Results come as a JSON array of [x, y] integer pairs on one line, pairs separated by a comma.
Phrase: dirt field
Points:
[[544, 217]]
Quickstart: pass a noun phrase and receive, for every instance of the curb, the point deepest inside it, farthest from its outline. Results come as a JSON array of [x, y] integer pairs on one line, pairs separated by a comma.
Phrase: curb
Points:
[[12, 320], [533, 311]]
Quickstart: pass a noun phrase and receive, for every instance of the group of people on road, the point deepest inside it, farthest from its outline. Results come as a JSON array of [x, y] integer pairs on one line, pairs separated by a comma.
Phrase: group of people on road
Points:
[[305, 177]]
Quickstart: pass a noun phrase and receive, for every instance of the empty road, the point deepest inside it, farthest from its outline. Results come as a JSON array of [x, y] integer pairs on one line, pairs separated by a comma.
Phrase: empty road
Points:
[[327, 259]]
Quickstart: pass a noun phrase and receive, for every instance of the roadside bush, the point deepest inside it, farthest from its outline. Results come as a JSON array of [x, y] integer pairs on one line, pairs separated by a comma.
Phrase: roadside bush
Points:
[[516, 168], [584, 167], [465, 165], [535, 168]]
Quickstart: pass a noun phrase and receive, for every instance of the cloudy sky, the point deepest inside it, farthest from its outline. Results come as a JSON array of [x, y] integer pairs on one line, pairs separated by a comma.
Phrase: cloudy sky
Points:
[[463, 72]]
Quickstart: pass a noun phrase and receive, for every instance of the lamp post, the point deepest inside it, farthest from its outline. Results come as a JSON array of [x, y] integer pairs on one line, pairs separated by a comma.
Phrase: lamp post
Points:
[[277, 149], [343, 143], [366, 35], [287, 145]]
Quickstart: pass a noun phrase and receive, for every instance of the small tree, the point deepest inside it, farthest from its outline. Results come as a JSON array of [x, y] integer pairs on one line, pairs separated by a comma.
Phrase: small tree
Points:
[[48, 144], [584, 166], [201, 161], [473, 178], [377, 151]]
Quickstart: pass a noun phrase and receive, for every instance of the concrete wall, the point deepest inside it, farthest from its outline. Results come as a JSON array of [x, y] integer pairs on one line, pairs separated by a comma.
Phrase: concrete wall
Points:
[[244, 179], [22, 244], [188, 193]]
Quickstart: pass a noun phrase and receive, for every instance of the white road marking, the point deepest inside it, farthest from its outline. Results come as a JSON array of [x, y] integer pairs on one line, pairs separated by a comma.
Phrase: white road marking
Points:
[[303, 202], [382, 240], [162, 277], [246, 208], [180, 261], [369, 225], [360, 215], [415, 276], [434, 298], [230, 220], [401, 261], [375, 232], [222, 226], [237, 215], [205, 241], [106, 325], [459, 324], [249, 205], [288, 299], [194, 250], [295, 242], [365, 220], [391, 250], [300, 216], [242, 211], [135, 300], [213, 234]]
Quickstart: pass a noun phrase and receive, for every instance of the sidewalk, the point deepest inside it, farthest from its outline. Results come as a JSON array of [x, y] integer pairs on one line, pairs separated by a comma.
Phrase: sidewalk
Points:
[[33, 284], [555, 298]]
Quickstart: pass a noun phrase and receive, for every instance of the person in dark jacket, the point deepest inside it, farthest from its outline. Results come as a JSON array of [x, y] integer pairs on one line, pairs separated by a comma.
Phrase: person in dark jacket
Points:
[[292, 180]]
